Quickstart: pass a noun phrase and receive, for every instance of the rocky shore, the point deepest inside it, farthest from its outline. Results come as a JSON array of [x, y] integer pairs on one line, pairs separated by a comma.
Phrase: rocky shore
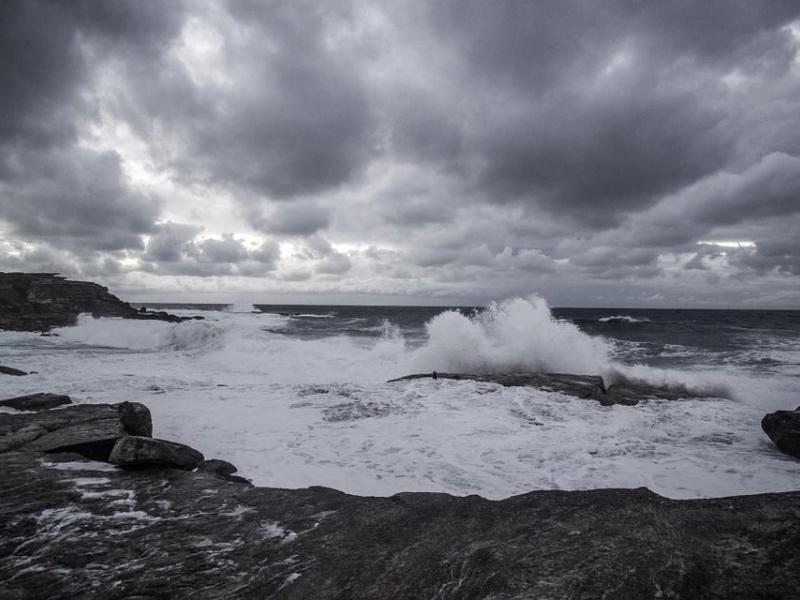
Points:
[[92, 506], [41, 301]]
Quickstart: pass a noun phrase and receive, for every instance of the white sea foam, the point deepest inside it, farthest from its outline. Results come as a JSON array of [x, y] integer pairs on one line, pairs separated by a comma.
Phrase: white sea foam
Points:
[[623, 319], [239, 389]]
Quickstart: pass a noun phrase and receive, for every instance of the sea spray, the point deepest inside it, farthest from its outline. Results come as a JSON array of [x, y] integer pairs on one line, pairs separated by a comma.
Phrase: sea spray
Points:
[[519, 334], [112, 332]]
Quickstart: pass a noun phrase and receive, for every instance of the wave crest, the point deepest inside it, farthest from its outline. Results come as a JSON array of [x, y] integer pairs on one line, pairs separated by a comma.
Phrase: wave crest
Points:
[[519, 334]]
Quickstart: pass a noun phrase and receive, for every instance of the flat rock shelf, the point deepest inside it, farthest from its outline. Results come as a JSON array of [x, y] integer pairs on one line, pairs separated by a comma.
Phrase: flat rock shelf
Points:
[[73, 527]]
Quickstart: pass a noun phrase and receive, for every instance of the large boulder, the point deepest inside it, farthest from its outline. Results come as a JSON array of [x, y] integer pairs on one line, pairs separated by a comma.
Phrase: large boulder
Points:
[[88, 429], [135, 452], [783, 428], [36, 401]]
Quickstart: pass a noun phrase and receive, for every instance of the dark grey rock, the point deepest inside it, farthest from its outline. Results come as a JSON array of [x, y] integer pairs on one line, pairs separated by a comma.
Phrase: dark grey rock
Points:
[[36, 401], [783, 428], [135, 452], [11, 371], [88, 429], [219, 467], [40, 301], [72, 531], [591, 387]]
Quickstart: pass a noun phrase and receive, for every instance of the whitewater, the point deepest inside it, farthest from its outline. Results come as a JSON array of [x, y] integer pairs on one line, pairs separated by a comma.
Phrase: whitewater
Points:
[[300, 398]]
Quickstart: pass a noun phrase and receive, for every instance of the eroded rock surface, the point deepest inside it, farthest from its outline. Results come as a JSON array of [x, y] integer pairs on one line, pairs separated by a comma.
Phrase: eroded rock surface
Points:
[[40, 301], [592, 387], [76, 528]]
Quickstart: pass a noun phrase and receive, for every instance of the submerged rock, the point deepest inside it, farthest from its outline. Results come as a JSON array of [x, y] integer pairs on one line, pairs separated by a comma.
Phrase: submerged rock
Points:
[[11, 371], [623, 391], [88, 429], [40, 301], [36, 401], [783, 428], [135, 452]]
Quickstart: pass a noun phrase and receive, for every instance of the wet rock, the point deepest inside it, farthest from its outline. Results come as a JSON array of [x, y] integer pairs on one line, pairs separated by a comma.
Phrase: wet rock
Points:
[[135, 452], [40, 301], [591, 387], [11, 371], [783, 428], [218, 467], [36, 401], [86, 530], [88, 429]]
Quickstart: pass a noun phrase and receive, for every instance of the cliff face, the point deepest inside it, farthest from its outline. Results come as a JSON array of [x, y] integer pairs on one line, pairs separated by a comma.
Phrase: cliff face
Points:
[[40, 301]]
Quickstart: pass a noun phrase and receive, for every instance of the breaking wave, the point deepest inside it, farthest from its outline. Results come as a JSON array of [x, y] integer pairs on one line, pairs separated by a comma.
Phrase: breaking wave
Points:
[[140, 335], [515, 335], [623, 319]]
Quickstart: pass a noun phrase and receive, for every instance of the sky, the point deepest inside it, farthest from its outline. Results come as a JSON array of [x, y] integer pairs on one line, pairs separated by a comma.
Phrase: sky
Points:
[[617, 153]]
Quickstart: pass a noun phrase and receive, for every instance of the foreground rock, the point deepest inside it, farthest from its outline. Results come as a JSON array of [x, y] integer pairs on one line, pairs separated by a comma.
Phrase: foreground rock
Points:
[[75, 528], [36, 401], [89, 429], [136, 452], [623, 391], [40, 301], [783, 428]]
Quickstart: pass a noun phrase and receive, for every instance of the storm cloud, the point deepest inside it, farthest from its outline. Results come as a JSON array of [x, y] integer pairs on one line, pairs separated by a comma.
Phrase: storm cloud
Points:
[[621, 152]]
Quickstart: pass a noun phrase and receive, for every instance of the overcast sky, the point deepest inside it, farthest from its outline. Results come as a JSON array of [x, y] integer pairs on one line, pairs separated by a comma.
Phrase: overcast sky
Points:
[[616, 153]]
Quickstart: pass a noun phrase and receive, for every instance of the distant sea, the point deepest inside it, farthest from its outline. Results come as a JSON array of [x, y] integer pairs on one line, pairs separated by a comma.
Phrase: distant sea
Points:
[[298, 395]]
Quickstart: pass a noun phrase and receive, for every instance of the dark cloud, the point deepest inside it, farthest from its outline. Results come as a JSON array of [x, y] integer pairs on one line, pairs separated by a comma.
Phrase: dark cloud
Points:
[[301, 219], [475, 147]]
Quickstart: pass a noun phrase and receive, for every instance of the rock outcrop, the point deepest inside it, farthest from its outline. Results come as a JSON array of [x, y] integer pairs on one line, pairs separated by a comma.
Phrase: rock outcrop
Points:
[[591, 387], [11, 371], [40, 301], [36, 401], [783, 428], [88, 429]]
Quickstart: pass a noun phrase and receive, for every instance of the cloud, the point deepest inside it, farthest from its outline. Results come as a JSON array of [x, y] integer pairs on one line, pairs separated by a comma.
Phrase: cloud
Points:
[[478, 149]]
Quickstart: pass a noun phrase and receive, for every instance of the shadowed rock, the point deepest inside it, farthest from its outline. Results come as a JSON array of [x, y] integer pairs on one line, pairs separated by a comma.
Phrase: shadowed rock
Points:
[[783, 428], [88, 429], [83, 530], [11, 371], [623, 391], [134, 452], [36, 401], [40, 301]]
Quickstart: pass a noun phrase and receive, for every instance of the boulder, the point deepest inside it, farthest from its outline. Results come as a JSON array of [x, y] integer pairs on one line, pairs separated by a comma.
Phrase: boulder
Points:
[[135, 452], [36, 401], [219, 467], [11, 371], [783, 428], [88, 429], [591, 387]]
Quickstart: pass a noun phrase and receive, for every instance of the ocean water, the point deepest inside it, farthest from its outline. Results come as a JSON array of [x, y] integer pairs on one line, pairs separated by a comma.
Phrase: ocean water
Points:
[[298, 395]]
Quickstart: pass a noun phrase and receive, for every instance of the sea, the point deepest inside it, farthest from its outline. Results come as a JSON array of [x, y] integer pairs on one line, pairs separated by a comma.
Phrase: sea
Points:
[[297, 396]]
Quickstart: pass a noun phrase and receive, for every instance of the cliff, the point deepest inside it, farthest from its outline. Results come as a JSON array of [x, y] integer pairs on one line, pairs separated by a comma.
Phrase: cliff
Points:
[[41, 301]]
